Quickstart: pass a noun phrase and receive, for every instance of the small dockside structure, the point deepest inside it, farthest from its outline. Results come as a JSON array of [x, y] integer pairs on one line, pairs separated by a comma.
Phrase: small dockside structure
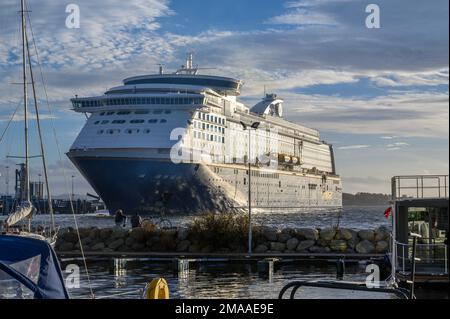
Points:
[[420, 206]]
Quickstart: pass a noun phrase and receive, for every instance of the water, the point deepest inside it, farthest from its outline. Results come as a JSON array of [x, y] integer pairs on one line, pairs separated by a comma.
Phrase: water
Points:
[[355, 217], [124, 279]]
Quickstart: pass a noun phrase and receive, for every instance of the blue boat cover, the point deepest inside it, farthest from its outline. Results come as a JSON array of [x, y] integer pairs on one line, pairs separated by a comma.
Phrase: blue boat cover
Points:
[[32, 263]]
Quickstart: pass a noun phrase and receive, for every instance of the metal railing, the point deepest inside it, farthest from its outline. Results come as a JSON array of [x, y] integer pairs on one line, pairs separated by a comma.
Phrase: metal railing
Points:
[[433, 258], [420, 186]]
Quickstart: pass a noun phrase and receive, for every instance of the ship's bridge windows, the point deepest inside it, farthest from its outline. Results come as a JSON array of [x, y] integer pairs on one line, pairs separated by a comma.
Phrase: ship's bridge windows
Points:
[[97, 122], [157, 112], [110, 113], [141, 112], [111, 132], [163, 121], [137, 121], [105, 122], [167, 112], [119, 122], [153, 121], [124, 113]]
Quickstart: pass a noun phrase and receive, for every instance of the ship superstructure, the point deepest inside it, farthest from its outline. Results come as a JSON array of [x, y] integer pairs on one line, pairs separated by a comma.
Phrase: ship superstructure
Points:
[[177, 142]]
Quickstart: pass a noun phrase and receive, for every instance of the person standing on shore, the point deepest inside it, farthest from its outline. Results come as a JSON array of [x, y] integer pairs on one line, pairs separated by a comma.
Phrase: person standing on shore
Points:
[[120, 218], [136, 221]]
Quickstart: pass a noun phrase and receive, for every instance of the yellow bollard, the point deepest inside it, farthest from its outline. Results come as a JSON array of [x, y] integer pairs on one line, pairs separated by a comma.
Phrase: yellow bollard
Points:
[[157, 289]]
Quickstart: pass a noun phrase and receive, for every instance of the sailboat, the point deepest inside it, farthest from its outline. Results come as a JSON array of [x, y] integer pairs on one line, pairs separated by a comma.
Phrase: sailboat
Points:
[[24, 210]]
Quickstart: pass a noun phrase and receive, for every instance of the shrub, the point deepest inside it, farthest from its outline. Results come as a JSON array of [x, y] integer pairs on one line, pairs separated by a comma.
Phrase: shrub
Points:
[[219, 230]]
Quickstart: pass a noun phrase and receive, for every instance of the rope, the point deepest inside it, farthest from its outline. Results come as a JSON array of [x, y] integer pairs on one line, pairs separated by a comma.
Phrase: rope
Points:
[[10, 121], [38, 60]]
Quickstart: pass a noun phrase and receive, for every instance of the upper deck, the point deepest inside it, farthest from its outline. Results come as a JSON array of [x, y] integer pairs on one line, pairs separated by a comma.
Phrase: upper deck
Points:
[[223, 85]]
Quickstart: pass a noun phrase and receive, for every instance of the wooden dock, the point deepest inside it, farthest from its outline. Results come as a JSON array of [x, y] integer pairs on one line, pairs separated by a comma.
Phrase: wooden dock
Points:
[[223, 257]]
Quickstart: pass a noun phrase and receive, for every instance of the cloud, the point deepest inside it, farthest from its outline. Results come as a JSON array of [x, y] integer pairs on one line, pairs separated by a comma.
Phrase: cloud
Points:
[[399, 114], [353, 147], [303, 16]]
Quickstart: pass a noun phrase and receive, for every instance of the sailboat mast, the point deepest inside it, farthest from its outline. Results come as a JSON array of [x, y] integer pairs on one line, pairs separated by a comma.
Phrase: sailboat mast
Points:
[[41, 140], [25, 191]]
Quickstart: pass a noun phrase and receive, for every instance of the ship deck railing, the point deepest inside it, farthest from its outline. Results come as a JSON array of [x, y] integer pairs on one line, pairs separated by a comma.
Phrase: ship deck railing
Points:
[[420, 187]]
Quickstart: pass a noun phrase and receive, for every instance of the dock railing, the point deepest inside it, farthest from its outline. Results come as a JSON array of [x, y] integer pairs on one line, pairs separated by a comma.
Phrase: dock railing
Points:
[[419, 187], [433, 258]]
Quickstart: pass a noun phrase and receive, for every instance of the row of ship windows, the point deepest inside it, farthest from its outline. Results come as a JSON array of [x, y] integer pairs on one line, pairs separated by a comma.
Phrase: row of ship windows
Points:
[[128, 131], [211, 118], [139, 101], [152, 121], [209, 127], [143, 112], [209, 137]]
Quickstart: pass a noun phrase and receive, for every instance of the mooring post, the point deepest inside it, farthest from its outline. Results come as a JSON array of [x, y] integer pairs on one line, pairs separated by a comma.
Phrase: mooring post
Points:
[[340, 269], [181, 266], [266, 268]]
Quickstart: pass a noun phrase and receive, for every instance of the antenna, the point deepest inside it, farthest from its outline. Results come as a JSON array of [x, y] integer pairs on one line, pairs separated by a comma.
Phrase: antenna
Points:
[[161, 69]]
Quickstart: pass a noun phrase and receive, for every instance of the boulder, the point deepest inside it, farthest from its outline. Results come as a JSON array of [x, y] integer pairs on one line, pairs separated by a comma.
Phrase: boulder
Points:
[[366, 234], [276, 246], [317, 250], [270, 234], [381, 246], [138, 247], [66, 246], [138, 234], [345, 234], [283, 237], [94, 233], [118, 233], [338, 245], [381, 233], [129, 241], [194, 248], [292, 244], [305, 244], [206, 250], [105, 233], [116, 244], [261, 249], [182, 234], [352, 243], [98, 247], [327, 234], [308, 233], [70, 237], [86, 241], [183, 246], [365, 247], [84, 232]]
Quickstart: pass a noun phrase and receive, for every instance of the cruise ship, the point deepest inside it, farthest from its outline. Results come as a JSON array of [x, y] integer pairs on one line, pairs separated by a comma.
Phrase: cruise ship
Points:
[[183, 143]]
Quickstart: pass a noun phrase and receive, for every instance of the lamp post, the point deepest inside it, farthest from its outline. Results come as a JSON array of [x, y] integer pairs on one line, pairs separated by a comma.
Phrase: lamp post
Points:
[[253, 126]]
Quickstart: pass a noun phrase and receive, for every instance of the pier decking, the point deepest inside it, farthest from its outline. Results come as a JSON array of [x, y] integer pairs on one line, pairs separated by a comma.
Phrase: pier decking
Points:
[[222, 256]]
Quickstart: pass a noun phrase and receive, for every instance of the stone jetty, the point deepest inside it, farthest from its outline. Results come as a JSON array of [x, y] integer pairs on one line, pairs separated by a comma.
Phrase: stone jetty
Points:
[[266, 240]]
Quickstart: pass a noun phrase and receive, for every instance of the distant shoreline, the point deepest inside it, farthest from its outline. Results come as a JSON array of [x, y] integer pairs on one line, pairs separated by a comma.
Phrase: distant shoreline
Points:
[[365, 199]]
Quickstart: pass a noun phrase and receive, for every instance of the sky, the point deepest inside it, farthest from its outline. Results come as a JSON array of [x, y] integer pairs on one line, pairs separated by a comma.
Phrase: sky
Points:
[[379, 95]]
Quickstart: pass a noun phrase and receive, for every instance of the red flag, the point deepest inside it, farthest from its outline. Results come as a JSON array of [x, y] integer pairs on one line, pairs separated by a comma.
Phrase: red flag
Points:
[[388, 212]]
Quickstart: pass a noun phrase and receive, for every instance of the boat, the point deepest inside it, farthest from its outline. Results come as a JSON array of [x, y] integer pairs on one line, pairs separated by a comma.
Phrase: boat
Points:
[[23, 210], [182, 143], [29, 269]]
